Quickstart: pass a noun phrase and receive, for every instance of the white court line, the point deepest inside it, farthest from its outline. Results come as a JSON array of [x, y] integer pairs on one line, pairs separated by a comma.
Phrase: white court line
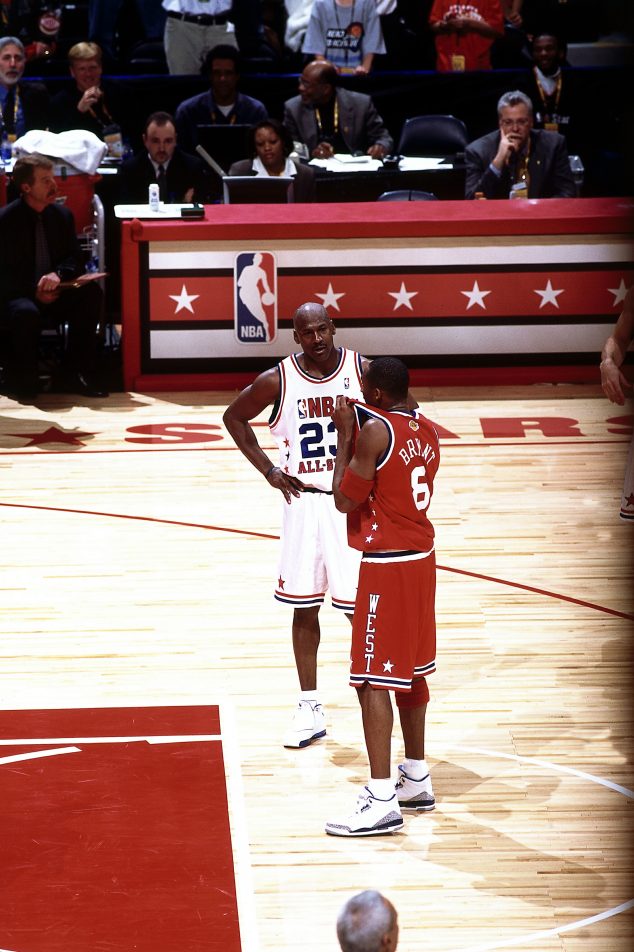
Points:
[[245, 892], [16, 758], [548, 933], [578, 923], [132, 739], [550, 766], [235, 798]]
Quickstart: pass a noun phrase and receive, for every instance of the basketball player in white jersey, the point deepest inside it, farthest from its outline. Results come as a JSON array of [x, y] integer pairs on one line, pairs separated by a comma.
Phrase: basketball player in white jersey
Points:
[[616, 385], [315, 556]]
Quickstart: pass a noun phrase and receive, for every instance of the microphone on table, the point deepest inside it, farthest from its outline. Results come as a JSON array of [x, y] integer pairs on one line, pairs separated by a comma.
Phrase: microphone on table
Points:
[[210, 162]]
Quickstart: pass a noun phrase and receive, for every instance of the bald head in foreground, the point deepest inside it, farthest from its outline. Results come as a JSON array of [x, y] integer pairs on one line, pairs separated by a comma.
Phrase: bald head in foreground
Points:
[[368, 922]]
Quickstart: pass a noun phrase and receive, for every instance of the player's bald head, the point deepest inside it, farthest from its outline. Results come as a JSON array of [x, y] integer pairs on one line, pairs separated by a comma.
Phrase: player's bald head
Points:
[[309, 312]]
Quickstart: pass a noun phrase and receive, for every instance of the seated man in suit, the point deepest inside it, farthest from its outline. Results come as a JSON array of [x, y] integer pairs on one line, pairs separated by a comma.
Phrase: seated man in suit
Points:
[[518, 161], [40, 254], [180, 177], [327, 119], [23, 106], [222, 104], [272, 146]]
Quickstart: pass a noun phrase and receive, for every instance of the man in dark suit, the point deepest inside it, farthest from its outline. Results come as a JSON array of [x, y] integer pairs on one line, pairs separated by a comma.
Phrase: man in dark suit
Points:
[[328, 120], [518, 161], [180, 177], [23, 106], [41, 282]]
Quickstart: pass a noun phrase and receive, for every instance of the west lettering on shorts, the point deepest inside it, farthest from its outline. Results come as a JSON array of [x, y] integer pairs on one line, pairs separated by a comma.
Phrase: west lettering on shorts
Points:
[[370, 631]]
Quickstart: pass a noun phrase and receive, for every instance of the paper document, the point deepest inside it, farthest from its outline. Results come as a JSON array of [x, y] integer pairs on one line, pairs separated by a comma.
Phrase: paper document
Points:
[[341, 162], [144, 211], [420, 163]]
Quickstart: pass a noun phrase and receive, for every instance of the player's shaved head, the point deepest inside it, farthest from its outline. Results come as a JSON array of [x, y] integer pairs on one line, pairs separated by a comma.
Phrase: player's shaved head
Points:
[[310, 311]]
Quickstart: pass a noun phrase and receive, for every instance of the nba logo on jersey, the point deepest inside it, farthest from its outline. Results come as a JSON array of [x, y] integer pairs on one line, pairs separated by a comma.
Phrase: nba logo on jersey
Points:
[[255, 297], [302, 412]]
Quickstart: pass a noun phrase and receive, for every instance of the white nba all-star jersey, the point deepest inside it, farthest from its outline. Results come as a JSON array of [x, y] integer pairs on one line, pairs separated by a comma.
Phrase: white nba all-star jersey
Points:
[[301, 421]]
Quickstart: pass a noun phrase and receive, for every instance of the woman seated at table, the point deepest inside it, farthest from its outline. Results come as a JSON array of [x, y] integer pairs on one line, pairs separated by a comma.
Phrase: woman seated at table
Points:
[[272, 146]]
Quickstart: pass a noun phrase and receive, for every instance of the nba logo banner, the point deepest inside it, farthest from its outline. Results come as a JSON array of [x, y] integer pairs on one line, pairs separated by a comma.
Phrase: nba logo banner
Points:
[[255, 297]]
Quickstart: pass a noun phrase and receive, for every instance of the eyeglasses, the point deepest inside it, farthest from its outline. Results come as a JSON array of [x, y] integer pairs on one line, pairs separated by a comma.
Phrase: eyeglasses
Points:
[[509, 123]]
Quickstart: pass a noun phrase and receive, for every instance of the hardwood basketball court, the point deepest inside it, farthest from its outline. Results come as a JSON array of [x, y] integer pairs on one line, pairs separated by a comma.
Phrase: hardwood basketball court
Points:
[[139, 552]]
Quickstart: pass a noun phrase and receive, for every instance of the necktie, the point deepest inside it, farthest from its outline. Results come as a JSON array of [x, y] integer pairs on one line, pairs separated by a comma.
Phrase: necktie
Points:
[[8, 111], [161, 179], [42, 256]]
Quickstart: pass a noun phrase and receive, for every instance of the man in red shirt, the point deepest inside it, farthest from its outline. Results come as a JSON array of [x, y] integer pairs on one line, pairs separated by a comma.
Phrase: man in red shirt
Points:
[[464, 33], [387, 458]]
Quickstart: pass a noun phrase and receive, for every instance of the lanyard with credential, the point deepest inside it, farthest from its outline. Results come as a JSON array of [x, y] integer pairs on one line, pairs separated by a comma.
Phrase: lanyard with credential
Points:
[[335, 120], [544, 98]]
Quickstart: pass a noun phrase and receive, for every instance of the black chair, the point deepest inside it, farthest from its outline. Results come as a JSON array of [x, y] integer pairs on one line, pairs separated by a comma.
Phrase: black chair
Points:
[[407, 195], [433, 135]]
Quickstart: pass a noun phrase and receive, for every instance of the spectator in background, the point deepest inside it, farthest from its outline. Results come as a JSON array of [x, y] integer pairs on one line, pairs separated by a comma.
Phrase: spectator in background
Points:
[[298, 15], [86, 105], [347, 33], [272, 146], [530, 163], [193, 28], [180, 177], [549, 89], [368, 922], [102, 23], [464, 33], [326, 119], [510, 50], [24, 106], [36, 23], [222, 104]]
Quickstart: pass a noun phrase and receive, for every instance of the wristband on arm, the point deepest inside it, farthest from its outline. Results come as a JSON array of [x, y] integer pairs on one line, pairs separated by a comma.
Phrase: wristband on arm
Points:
[[355, 487]]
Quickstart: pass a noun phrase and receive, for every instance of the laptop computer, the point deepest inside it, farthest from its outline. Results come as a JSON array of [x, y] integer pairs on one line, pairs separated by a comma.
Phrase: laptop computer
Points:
[[257, 189], [226, 144]]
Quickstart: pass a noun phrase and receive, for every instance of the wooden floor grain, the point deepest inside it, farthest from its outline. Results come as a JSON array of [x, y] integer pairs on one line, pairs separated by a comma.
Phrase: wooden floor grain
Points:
[[137, 568]]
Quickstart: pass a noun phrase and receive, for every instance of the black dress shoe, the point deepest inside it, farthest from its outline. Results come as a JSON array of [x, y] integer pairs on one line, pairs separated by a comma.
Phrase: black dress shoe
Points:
[[25, 388], [78, 383]]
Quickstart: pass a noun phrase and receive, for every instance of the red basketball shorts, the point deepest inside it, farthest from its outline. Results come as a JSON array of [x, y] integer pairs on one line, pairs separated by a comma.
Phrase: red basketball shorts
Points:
[[394, 627]]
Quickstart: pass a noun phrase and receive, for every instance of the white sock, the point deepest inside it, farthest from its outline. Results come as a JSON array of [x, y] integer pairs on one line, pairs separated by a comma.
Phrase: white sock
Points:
[[310, 697], [381, 789], [415, 769]]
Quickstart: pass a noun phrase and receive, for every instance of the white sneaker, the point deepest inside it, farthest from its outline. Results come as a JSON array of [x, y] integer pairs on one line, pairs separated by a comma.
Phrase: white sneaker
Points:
[[371, 817], [309, 723], [414, 794]]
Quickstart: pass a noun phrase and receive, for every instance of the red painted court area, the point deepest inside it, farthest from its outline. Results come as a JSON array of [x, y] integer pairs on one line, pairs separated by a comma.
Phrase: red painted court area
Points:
[[115, 832]]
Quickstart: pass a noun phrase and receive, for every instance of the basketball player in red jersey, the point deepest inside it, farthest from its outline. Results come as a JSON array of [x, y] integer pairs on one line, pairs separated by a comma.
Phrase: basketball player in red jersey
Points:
[[314, 554], [387, 458]]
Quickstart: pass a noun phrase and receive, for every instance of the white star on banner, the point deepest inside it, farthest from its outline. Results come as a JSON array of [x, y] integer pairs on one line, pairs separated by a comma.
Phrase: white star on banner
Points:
[[330, 299], [387, 666], [549, 295], [184, 300], [402, 298], [619, 293], [476, 296]]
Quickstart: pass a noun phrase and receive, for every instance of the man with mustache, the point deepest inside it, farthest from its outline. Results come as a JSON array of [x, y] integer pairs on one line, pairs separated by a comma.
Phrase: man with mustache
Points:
[[41, 284], [24, 106]]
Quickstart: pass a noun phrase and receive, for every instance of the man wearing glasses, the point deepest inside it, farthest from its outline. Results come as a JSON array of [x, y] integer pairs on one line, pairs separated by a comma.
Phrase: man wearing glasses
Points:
[[517, 161]]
